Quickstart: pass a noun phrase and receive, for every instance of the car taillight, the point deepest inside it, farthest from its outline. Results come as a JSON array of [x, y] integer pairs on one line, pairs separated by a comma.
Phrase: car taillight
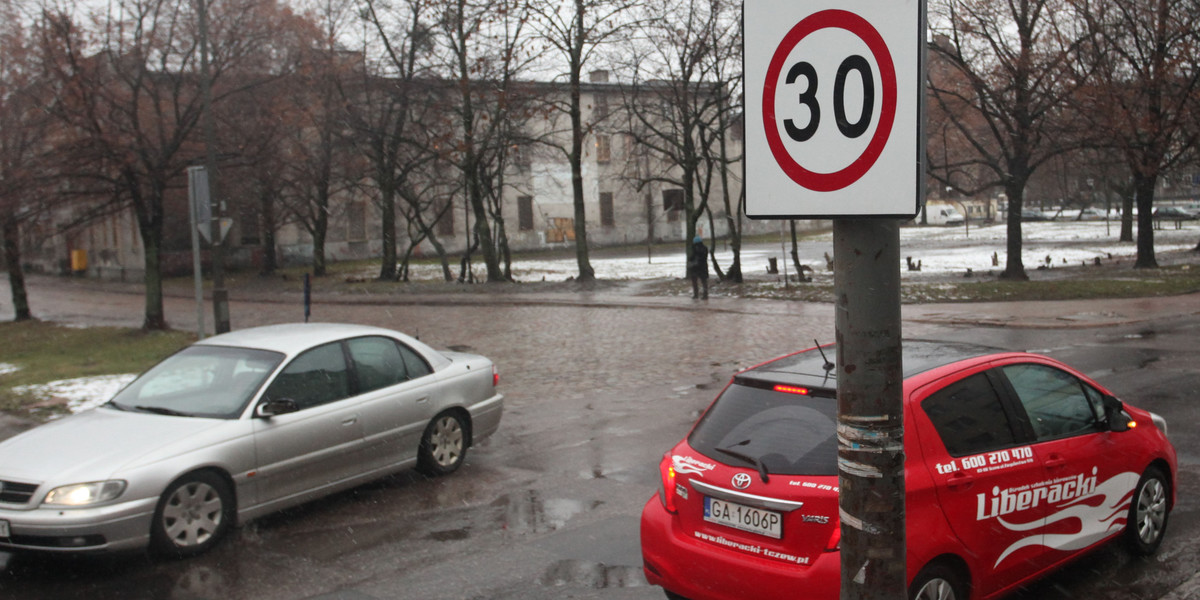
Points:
[[666, 493], [835, 540], [495, 376], [792, 389]]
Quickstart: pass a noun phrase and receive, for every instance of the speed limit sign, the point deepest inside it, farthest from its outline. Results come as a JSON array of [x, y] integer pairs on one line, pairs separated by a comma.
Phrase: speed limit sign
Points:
[[834, 108]]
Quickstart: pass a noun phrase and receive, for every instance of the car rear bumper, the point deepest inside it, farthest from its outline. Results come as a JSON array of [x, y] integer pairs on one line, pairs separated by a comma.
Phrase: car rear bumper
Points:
[[485, 417], [703, 570], [123, 526]]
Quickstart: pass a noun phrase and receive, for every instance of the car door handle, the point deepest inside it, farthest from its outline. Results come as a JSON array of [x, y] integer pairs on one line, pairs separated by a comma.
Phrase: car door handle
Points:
[[422, 399], [350, 420], [1055, 461], [960, 481]]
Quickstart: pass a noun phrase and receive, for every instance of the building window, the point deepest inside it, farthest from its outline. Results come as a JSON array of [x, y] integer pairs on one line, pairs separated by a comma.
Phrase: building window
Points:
[[356, 221], [672, 204], [525, 213], [603, 148], [607, 218], [600, 108]]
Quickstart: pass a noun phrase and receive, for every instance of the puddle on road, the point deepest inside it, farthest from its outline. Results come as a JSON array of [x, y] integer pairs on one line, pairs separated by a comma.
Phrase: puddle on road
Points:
[[528, 512], [593, 575], [449, 535]]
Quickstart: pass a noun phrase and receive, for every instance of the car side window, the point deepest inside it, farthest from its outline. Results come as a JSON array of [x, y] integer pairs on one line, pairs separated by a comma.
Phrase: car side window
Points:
[[417, 367], [969, 417], [1055, 400], [316, 377], [377, 362]]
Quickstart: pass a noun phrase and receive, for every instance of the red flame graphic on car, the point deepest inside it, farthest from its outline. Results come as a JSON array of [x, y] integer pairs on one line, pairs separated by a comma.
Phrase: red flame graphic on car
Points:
[[1098, 514]]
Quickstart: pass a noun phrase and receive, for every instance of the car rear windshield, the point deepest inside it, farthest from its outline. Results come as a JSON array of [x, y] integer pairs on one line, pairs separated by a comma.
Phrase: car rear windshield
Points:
[[789, 434]]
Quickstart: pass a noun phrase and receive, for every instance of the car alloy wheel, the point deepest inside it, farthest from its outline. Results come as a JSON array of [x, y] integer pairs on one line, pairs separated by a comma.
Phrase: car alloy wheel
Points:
[[1149, 512], [938, 581], [444, 445], [935, 589], [192, 515]]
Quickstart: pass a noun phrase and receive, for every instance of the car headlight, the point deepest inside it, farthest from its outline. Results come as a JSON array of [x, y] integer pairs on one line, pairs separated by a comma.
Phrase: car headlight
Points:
[[1159, 422], [83, 494]]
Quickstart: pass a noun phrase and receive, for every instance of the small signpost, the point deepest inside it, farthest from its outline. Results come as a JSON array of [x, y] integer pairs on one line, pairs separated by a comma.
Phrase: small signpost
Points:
[[200, 212], [834, 95]]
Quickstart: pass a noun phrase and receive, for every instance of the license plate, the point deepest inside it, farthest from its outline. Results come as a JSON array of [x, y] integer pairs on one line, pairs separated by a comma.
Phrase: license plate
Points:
[[4, 531], [746, 518]]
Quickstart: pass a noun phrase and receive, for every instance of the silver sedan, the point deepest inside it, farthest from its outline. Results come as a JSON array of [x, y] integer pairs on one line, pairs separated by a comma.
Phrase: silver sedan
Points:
[[237, 426]]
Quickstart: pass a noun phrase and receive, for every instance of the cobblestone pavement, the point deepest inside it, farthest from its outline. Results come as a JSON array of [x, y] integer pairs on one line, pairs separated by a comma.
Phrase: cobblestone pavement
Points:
[[597, 387]]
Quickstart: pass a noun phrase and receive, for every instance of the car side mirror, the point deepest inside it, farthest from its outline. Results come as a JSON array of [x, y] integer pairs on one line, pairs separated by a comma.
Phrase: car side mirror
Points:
[[271, 408], [1114, 413]]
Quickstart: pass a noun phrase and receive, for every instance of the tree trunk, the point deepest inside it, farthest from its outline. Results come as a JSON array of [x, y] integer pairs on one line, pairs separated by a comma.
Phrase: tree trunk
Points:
[[586, 272], [387, 267], [447, 274], [267, 212], [150, 225], [16, 275], [1126, 219], [155, 316], [796, 252], [320, 228], [1014, 269], [1144, 188]]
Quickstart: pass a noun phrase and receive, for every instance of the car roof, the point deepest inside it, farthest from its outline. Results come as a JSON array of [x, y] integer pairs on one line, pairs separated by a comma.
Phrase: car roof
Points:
[[290, 338], [809, 368]]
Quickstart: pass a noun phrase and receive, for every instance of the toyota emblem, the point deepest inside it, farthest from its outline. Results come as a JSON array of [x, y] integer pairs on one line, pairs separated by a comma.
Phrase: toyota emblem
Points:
[[741, 481]]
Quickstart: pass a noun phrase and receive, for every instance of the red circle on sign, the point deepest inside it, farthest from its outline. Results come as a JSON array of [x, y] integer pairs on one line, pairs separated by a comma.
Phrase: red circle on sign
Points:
[[839, 19]]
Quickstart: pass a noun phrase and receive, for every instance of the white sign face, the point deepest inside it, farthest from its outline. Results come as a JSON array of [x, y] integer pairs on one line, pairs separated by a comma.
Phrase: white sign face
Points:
[[833, 108]]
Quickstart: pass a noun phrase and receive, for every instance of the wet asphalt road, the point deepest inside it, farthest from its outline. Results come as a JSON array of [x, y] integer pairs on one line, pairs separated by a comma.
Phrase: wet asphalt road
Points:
[[548, 508]]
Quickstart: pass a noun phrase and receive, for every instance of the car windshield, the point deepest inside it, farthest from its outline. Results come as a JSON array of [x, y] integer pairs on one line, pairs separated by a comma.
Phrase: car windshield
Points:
[[200, 381], [787, 434]]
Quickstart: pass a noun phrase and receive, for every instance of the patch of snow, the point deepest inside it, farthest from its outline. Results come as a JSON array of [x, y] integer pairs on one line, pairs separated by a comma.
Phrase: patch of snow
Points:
[[6, 368], [82, 393], [940, 250]]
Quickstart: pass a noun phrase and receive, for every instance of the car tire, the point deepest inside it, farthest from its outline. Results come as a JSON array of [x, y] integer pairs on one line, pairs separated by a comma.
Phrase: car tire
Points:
[[443, 445], [673, 596], [1148, 512], [192, 516], [938, 581]]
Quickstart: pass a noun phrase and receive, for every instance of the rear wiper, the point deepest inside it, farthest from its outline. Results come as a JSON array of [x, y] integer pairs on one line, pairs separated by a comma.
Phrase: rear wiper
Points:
[[158, 410], [762, 469]]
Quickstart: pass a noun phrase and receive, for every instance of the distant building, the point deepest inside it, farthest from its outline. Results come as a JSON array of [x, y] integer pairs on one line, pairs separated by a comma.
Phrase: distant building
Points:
[[623, 205]]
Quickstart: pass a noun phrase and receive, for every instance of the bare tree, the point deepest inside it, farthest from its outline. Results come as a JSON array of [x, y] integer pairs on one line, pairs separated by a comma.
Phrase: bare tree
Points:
[[577, 30], [23, 131], [676, 99], [486, 50], [255, 128], [1000, 74], [1146, 59], [130, 96], [393, 113], [726, 68], [321, 164]]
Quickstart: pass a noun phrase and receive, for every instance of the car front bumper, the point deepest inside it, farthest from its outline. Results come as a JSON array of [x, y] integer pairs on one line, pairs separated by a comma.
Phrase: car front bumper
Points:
[[700, 570], [121, 526]]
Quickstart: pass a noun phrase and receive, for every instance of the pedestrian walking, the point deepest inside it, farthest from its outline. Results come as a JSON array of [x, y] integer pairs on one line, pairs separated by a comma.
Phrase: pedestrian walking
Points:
[[698, 267]]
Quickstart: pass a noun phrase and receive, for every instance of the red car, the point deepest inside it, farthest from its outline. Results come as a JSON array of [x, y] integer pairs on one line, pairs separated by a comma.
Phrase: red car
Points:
[[1015, 464]]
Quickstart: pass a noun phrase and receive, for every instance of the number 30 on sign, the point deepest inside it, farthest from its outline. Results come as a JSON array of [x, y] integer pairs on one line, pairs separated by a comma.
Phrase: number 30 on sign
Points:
[[833, 108]]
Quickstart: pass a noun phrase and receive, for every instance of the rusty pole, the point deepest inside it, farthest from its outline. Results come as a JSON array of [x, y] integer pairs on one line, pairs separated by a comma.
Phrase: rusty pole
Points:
[[870, 408]]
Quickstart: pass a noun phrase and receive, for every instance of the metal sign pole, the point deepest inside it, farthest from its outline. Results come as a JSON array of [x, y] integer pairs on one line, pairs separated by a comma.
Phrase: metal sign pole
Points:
[[197, 195], [866, 271]]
